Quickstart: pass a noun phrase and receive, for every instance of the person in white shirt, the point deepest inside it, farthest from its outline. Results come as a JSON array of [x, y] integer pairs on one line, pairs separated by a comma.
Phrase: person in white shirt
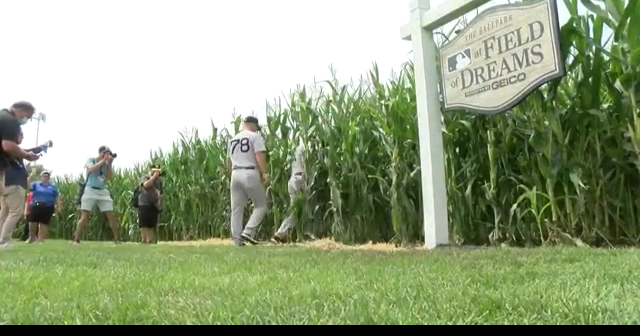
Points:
[[296, 184], [248, 163]]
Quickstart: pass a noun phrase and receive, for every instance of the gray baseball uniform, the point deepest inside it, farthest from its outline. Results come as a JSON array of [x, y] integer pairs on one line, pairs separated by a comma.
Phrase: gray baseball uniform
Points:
[[246, 183], [296, 184]]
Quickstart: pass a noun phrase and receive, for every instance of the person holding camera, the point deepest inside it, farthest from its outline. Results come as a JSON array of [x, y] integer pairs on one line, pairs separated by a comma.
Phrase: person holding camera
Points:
[[15, 185], [94, 192], [45, 202], [11, 120], [149, 204]]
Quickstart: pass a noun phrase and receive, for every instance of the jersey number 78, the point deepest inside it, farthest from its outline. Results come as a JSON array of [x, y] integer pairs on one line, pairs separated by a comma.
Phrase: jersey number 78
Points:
[[244, 145]]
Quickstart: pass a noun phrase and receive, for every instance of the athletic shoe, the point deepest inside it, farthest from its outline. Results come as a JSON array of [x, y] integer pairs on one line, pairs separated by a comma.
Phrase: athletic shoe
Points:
[[310, 236], [250, 239], [278, 239]]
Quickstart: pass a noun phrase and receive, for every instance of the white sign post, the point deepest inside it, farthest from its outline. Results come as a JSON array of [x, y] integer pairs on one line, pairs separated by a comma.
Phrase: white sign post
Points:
[[420, 31], [498, 59]]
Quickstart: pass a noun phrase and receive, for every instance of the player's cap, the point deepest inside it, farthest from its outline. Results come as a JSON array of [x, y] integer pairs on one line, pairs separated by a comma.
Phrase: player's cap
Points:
[[45, 173], [103, 149], [23, 106], [252, 120]]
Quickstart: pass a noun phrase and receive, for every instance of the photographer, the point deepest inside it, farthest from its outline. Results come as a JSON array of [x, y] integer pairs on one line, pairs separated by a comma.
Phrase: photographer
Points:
[[10, 121], [15, 185], [149, 204], [94, 192]]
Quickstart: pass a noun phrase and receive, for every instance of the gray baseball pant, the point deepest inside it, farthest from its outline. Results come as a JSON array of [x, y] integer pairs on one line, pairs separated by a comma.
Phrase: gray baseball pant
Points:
[[296, 184], [246, 184]]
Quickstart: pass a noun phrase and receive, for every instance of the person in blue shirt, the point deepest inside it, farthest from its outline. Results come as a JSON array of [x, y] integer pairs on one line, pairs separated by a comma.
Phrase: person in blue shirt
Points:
[[44, 203], [98, 170]]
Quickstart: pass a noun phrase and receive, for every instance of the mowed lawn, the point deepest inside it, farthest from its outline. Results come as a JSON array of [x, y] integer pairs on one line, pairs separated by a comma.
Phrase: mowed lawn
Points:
[[97, 283]]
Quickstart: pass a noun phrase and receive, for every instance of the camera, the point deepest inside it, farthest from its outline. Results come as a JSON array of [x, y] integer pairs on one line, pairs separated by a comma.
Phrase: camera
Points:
[[156, 168], [161, 173], [113, 155]]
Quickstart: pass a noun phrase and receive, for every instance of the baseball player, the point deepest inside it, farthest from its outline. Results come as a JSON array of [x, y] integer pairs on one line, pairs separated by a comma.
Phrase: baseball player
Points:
[[248, 164], [296, 184]]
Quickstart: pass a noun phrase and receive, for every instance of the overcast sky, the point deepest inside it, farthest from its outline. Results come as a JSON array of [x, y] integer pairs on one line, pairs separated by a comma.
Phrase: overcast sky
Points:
[[102, 70]]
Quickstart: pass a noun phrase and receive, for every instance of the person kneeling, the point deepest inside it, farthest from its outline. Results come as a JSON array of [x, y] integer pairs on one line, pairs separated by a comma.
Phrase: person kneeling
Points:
[[45, 201], [149, 204]]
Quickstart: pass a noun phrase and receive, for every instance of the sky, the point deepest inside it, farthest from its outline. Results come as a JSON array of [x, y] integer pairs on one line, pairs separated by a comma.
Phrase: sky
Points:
[[104, 71]]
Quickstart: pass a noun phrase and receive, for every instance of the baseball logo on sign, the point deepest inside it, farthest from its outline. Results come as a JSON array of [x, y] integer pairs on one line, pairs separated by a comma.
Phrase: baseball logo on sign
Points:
[[459, 60]]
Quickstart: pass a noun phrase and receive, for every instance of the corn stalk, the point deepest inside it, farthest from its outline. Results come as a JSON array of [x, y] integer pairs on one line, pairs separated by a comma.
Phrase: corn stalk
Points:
[[562, 167]]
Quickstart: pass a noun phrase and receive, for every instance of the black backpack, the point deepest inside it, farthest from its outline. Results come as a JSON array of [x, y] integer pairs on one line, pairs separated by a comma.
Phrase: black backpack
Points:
[[134, 198], [83, 185]]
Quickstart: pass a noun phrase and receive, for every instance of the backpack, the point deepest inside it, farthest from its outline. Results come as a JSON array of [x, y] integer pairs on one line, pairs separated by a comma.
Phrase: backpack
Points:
[[134, 198], [82, 186]]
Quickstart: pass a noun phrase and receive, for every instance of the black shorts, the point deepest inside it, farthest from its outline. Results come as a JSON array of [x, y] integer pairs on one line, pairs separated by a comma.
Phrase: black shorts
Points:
[[148, 217], [41, 213]]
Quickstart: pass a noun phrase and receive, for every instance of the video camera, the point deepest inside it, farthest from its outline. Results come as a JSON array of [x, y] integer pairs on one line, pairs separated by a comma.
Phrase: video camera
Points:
[[113, 155], [43, 148]]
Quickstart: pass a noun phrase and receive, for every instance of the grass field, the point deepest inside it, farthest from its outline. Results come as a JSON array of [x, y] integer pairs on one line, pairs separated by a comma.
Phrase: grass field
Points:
[[97, 283]]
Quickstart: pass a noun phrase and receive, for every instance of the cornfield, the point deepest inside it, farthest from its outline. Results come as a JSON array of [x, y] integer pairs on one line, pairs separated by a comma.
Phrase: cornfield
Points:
[[562, 167]]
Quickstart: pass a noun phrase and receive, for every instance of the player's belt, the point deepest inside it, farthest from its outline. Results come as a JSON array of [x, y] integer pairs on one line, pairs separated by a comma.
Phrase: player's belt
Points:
[[244, 168], [298, 174]]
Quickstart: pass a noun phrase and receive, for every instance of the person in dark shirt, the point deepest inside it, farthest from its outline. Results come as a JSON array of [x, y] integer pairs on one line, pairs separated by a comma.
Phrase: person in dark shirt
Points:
[[12, 204], [149, 204], [10, 121]]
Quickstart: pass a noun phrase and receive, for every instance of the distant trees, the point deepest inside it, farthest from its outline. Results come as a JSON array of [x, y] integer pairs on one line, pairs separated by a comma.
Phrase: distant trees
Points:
[[34, 171]]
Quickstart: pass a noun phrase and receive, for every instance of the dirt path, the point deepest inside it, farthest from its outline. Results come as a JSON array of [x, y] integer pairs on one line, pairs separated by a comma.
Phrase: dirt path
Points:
[[322, 244]]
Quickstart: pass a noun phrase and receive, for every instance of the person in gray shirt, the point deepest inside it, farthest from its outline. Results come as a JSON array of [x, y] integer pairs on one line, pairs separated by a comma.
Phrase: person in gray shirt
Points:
[[149, 207], [247, 161]]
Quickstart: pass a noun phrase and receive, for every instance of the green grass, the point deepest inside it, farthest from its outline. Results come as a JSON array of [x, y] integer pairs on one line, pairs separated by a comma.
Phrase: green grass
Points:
[[97, 283]]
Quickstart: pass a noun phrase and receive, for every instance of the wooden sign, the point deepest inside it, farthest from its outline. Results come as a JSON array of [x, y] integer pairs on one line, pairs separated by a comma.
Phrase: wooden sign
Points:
[[503, 55]]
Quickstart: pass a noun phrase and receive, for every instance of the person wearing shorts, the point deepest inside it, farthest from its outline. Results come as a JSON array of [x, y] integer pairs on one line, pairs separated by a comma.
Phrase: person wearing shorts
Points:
[[149, 204], [99, 170], [45, 201]]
